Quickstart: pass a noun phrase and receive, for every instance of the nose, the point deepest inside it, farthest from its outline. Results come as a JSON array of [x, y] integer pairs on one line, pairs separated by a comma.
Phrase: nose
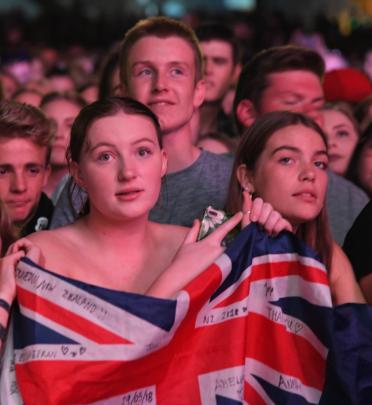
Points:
[[126, 170], [307, 172], [18, 183], [160, 82]]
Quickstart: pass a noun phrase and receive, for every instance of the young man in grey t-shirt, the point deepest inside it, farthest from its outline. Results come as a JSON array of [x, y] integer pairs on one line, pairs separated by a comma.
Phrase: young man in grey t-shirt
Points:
[[161, 66]]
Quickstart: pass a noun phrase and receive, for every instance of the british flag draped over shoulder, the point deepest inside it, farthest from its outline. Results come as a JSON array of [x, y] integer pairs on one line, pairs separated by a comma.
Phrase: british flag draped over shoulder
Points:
[[256, 327]]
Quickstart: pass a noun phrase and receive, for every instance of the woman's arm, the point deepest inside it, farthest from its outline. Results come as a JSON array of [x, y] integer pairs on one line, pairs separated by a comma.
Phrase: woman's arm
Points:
[[344, 288]]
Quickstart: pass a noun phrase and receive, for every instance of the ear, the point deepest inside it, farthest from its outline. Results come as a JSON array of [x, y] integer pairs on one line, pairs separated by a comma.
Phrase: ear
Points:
[[246, 113], [76, 174], [164, 163], [245, 178], [199, 93]]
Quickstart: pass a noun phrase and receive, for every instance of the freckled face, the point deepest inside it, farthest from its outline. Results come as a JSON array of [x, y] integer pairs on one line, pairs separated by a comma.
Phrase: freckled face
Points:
[[342, 139], [121, 166], [161, 74], [291, 173]]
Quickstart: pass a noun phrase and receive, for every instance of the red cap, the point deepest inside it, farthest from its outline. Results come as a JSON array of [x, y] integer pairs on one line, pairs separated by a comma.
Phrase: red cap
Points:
[[347, 84]]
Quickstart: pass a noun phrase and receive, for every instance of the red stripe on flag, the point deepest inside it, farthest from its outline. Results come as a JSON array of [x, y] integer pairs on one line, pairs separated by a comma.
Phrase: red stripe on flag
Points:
[[68, 319], [273, 345], [251, 396], [278, 269], [270, 271]]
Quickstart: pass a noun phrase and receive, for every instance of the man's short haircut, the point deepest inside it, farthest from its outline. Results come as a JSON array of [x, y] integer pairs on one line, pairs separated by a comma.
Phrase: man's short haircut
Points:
[[253, 78], [19, 120], [220, 32], [161, 27]]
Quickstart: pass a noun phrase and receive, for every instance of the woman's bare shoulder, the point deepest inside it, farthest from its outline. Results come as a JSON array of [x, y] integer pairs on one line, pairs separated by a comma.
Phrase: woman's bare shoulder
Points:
[[48, 237], [170, 234]]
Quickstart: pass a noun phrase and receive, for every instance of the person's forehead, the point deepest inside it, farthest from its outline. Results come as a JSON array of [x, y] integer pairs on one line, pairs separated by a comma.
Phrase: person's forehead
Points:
[[128, 125], [24, 150], [297, 136], [151, 48], [216, 46], [294, 80], [61, 106]]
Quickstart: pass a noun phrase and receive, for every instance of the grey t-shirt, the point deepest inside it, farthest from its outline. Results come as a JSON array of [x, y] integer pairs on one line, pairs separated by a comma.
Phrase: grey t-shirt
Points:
[[183, 197], [344, 203]]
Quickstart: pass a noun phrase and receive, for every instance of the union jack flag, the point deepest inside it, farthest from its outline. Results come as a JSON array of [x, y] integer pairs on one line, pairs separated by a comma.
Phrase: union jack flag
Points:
[[253, 328]]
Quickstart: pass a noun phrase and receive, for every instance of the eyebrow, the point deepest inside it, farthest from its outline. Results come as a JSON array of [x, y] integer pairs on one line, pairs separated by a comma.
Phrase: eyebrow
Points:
[[91, 148], [150, 63], [341, 125], [296, 150]]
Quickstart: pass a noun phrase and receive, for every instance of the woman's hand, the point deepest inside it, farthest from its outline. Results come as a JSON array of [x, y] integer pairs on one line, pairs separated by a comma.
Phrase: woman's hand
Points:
[[192, 258], [263, 213], [8, 264]]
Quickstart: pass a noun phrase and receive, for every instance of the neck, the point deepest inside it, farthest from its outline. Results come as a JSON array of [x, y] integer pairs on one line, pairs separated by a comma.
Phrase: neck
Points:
[[112, 235], [208, 117], [55, 177], [180, 151]]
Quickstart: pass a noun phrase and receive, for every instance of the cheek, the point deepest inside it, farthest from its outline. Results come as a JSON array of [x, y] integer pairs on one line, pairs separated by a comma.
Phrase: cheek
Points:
[[4, 187], [323, 184]]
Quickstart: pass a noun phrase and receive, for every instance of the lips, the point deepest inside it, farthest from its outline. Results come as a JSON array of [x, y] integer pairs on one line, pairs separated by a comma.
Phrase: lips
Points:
[[160, 103], [18, 203], [128, 194], [306, 195]]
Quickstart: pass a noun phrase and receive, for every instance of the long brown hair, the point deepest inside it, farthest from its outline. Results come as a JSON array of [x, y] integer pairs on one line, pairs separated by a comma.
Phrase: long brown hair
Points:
[[8, 233], [315, 233]]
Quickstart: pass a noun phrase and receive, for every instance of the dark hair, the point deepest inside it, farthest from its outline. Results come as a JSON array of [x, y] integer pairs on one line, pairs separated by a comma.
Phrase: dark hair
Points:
[[109, 65], [23, 90], [361, 112], [67, 96], [18, 120], [217, 31], [8, 233], [352, 172], [253, 79], [107, 107], [161, 27], [315, 233]]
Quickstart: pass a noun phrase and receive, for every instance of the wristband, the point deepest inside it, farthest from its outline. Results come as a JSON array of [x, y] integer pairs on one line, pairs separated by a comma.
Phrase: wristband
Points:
[[2, 332], [4, 305]]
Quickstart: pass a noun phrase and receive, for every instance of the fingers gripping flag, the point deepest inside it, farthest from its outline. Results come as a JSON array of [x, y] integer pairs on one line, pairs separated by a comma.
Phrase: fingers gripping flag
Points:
[[252, 328]]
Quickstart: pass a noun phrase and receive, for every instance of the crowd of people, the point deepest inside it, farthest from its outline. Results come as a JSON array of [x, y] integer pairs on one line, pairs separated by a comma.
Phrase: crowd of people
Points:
[[106, 184]]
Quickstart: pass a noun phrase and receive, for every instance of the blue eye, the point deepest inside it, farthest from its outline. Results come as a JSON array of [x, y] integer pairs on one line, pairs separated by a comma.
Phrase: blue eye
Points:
[[321, 165], [105, 157], [143, 152], [144, 72], [342, 134], [177, 72], [286, 160]]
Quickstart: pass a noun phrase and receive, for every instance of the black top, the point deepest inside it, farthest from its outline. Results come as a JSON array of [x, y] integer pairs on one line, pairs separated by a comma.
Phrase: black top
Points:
[[358, 243], [41, 218]]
